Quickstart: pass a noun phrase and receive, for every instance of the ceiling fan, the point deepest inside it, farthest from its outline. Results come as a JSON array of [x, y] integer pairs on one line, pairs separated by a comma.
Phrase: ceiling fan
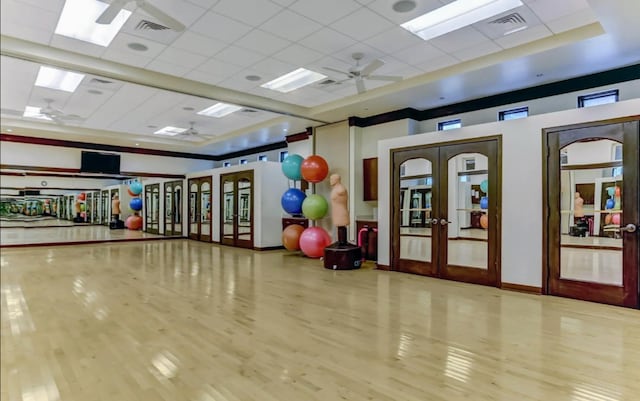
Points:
[[190, 131], [110, 13], [360, 74], [57, 115]]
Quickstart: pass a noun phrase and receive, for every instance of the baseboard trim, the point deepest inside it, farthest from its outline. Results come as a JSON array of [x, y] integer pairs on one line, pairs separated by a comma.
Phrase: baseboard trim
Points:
[[268, 248], [521, 288], [383, 267]]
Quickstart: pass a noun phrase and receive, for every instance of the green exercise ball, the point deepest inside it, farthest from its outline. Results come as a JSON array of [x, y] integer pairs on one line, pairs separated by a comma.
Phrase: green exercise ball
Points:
[[314, 207]]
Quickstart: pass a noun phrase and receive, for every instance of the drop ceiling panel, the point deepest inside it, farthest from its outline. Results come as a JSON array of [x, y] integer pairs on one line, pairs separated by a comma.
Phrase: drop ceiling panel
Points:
[[289, 25], [38, 27], [129, 97], [326, 11], [270, 67], [327, 41], [198, 44], [548, 10], [219, 27], [181, 57], [393, 40], [296, 54], [259, 11], [459, 39], [362, 24], [17, 79], [420, 54], [167, 68], [384, 8], [522, 37], [262, 42]]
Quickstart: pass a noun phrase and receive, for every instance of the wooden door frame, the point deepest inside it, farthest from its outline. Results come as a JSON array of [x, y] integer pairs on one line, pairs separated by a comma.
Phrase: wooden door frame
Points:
[[241, 242], [194, 236], [148, 212], [168, 222], [495, 253], [234, 177], [597, 292], [209, 236]]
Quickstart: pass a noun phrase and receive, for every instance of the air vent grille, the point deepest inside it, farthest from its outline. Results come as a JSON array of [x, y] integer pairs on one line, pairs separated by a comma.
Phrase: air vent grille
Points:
[[512, 19], [100, 81], [327, 82], [145, 25], [249, 111]]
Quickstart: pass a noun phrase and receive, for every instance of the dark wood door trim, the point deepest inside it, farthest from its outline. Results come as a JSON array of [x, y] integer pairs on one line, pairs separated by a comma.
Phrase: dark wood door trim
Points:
[[625, 131], [234, 178], [205, 237]]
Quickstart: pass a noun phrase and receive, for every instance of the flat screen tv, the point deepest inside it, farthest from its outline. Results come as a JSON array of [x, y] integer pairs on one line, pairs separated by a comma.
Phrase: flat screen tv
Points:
[[95, 162]]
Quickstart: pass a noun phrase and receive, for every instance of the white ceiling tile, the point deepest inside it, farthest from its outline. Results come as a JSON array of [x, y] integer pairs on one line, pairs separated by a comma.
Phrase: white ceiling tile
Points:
[[17, 79], [548, 10], [459, 39], [84, 103], [298, 55], [12, 18], [284, 3], [572, 21], [327, 41], [419, 54], [122, 40], [129, 97], [77, 46], [291, 26], [185, 12], [384, 8], [262, 42], [325, 11], [218, 68], [476, 51], [239, 80], [393, 40], [181, 57], [438, 63], [238, 56], [137, 28], [205, 77], [204, 3], [362, 24], [49, 5], [32, 34], [369, 53], [331, 62], [522, 37], [124, 57], [199, 44], [273, 67], [252, 14], [166, 67], [220, 27]]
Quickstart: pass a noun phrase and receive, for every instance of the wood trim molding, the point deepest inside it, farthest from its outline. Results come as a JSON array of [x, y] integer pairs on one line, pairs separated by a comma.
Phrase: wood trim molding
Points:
[[383, 267], [268, 248], [300, 136], [591, 166], [522, 288]]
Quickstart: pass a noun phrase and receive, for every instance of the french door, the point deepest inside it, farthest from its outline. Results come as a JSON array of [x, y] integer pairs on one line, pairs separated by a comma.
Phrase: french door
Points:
[[105, 206], [592, 213], [173, 208], [200, 209], [438, 192], [236, 209], [152, 208]]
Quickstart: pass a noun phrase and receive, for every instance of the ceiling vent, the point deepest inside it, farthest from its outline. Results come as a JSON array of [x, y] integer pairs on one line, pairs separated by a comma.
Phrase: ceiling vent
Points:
[[100, 81], [145, 25], [511, 19], [249, 111], [328, 81]]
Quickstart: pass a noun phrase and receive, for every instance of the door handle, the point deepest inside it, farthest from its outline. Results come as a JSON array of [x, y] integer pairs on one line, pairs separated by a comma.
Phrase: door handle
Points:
[[630, 228], [444, 222], [434, 222]]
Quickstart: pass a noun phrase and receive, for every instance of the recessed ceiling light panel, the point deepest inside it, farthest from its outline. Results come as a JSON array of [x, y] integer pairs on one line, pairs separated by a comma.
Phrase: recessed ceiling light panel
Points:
[[456, 15], [219, 110], [34, 112], [170, 131], [294, 80], [78, 21], [58, 79]]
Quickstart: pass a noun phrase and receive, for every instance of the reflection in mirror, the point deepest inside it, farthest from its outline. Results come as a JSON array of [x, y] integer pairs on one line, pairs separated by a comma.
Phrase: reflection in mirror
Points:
[[468, 203], [416, 193], [591, 187], [155, 206], [244, 209], [177, 220], [193, 208], [228, 205]]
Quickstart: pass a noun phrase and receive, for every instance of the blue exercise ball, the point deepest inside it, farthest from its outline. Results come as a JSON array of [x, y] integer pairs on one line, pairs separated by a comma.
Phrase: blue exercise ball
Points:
[[484, 202], [135, 188], [610, 204], [291, 200], [484, 186], [136, 204], [291, 167]]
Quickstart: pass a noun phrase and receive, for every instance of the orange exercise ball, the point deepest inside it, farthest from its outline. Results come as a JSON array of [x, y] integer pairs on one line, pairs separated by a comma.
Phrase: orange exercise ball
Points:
[[291, 237], [133, 222], [484, 221], [314, 169], [607, 219]]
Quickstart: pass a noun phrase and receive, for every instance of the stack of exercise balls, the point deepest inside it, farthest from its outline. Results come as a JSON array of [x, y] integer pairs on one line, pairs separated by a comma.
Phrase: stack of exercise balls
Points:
[[134, 222], [311, 240], [484, 204], [82, 198]]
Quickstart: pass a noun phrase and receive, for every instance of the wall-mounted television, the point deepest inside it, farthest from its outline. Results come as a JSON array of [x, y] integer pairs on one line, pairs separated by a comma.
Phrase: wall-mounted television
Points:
[[95, 162]]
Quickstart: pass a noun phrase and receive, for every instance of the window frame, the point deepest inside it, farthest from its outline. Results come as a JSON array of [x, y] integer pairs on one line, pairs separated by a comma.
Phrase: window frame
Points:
[[280, 156], [503, 113], [599, 95], [442, 125]]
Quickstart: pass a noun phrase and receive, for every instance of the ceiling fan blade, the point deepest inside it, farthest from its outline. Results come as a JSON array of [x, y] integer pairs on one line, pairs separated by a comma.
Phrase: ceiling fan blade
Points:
[[161, 16], [110, 13], [360, 85], [371, 67], [385, 78], [338, 71]]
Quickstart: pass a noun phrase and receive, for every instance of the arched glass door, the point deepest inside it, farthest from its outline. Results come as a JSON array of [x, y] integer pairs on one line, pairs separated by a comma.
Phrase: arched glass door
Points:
[[236, 222], [200, 209]]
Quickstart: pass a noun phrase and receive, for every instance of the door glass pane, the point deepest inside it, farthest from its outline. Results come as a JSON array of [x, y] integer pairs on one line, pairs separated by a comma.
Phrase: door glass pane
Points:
[[168, 209], [193, 209], [148, 207], [205, 208], [469, 217], [416, 193], [244, 209], [177, 209], [591, 212], [155, 206], [228, 199]]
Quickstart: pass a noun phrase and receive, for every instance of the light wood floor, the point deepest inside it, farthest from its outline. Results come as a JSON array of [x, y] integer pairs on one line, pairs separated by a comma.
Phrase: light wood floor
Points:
[[47, 235], [181, 320]]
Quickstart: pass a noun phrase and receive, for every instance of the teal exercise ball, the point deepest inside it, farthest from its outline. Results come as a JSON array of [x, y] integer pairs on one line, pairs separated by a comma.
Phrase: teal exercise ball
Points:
[[484, 186], [314, 207], [135, 188], [291, 167]]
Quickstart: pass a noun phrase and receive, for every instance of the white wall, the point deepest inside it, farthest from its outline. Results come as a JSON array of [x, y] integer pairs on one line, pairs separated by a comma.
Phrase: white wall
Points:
[[55, 156], [521, 182]]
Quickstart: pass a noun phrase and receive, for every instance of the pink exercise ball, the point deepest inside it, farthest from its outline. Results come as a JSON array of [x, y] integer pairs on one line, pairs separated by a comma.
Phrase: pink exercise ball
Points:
[[615, 219], [133, 222], [313, 241]]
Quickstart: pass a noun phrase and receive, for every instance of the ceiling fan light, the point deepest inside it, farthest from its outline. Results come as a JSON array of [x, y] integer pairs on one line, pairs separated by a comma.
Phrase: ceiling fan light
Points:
[[35, 112], [170, 131], [294, 80], [54, 78], [456, 15], [78, 21], [219, 110]]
